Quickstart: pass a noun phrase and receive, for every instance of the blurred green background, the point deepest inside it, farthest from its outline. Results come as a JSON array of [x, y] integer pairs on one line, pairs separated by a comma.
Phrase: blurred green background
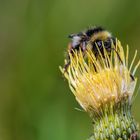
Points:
[[35, 101]]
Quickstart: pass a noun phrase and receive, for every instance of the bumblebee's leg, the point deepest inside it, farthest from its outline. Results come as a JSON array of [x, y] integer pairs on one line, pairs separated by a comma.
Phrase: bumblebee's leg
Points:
[[117, 55], [132, 77], [66, 66], [68, 63]]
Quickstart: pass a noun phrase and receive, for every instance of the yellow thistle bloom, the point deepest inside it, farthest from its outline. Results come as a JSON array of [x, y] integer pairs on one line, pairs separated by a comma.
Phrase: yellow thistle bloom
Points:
[[103, 85], [96, 82]]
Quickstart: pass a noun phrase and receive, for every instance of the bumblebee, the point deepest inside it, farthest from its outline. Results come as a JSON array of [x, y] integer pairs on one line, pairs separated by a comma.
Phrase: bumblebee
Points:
[[96, 36]]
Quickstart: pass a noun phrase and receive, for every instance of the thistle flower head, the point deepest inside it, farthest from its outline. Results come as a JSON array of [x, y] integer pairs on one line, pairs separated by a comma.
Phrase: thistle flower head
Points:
[[103, 84], [100, 83]]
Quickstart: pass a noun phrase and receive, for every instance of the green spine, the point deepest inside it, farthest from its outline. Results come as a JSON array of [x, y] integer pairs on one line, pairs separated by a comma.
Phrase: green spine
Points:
[[114, 123]]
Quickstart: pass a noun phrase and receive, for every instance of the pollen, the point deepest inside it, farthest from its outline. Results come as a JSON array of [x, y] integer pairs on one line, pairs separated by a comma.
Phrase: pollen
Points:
[[101, 81]]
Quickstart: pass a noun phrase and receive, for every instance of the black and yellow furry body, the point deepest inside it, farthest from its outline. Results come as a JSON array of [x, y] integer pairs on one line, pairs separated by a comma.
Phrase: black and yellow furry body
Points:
[[96, 36]]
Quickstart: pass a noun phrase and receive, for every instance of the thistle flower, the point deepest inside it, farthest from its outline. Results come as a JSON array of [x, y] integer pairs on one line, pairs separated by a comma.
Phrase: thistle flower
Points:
[[104, 87]]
